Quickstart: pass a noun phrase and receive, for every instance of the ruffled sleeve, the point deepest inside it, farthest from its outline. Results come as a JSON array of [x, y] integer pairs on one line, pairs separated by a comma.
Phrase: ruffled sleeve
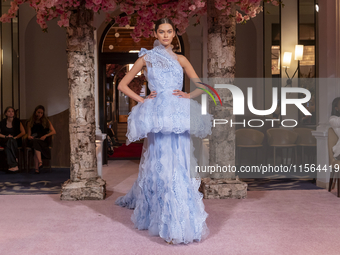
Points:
[[142, 52]]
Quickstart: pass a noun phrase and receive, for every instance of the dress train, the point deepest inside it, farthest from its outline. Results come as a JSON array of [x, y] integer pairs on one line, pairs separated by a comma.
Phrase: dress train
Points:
[[165, 198]]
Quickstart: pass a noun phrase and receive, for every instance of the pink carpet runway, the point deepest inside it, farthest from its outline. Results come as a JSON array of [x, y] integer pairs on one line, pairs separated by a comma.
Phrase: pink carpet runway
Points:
[[267, 222]]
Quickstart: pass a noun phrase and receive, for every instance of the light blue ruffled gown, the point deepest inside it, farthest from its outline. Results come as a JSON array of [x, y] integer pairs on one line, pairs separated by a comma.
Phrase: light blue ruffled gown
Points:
[[165, 197]]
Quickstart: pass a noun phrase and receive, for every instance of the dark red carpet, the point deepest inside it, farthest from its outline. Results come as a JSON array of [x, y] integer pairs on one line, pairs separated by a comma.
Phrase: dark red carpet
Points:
[[133, 151]]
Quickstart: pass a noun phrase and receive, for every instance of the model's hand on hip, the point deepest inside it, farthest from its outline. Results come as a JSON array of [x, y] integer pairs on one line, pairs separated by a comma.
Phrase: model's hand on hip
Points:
[[152, 95], [181, 94]]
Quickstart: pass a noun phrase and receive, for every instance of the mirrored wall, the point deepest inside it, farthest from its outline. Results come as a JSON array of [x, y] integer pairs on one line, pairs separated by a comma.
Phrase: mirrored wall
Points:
[[272, 51], [9, 45], [286, 28], [307, 10]]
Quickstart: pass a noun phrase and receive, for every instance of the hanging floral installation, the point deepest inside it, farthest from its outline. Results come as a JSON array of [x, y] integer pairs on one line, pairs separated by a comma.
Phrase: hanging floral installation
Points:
[[77, 16], [148, 11]]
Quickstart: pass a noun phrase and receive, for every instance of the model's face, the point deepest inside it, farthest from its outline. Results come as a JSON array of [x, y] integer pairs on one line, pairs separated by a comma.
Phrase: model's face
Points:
[[39, 113], [165, 34], [338, 107], [10, 113]]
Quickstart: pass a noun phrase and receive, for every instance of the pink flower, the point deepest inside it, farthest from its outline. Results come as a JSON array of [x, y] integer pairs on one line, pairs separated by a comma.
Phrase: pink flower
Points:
[[5, 18], [219, 5], [274, 2], [97, 2], [239, 18], [107, 17], [89, 4], [176, 21], [192, 7], [146, 34], [96, 8], [111, 5], [252, 14], [122, 21], [63, 23], [127, 8], [199, 3]]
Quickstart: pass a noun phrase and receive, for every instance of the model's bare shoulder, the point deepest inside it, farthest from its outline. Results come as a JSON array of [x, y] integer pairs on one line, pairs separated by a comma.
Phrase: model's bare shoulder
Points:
[[182, 60]]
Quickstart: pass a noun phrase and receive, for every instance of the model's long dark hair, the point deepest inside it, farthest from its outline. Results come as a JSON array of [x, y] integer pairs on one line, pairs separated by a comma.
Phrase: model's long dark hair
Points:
[[164, 21], [43, 119], [7, 108], [335, 103]]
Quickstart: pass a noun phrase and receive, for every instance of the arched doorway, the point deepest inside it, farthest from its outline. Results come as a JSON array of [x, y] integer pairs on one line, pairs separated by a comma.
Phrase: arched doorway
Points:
[[117, 53]]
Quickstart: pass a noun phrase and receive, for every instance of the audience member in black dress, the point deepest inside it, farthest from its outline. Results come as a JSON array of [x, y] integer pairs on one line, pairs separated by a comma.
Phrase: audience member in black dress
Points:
[[39, 128], [11, 131]]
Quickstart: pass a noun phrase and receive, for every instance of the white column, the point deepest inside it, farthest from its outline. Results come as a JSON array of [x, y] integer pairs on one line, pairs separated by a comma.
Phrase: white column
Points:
[[329, 87], [100, 137]]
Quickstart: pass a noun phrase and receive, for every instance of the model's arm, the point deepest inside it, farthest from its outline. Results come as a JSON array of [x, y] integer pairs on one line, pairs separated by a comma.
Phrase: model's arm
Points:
[[123, 85], [22, 132], [190, 72]]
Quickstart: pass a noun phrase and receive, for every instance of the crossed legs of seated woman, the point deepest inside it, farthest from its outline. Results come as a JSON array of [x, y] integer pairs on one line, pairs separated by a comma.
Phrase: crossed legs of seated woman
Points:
[[39, 128], [40, 150], [38, 164]]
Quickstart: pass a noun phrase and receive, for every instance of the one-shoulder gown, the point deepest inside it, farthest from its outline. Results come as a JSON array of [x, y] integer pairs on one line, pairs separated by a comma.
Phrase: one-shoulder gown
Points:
[[165, 196]]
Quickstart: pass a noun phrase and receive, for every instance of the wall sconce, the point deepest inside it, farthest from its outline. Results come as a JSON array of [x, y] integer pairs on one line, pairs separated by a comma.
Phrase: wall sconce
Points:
[[287, 58]]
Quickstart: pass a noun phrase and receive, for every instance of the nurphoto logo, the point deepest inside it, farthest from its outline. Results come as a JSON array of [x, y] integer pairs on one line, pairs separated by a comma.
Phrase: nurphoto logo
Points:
[[238, 103]]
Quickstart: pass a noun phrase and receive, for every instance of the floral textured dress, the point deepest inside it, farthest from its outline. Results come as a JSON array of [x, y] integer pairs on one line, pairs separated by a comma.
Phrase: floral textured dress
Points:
[[165, 197]]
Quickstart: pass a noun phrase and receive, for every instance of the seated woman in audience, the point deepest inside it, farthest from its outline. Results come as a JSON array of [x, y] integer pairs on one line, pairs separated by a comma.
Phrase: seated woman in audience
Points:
[[334, 120], [11, 131], [39, 128]]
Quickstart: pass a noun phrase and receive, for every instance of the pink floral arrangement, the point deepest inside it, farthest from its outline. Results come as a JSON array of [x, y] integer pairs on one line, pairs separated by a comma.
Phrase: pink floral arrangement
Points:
[[137, 83], [111, 69], [148, 11]]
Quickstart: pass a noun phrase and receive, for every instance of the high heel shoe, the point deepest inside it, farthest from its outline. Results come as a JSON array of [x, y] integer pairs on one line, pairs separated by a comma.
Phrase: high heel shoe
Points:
[[40, 166], [169, 242], [37, 171]]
